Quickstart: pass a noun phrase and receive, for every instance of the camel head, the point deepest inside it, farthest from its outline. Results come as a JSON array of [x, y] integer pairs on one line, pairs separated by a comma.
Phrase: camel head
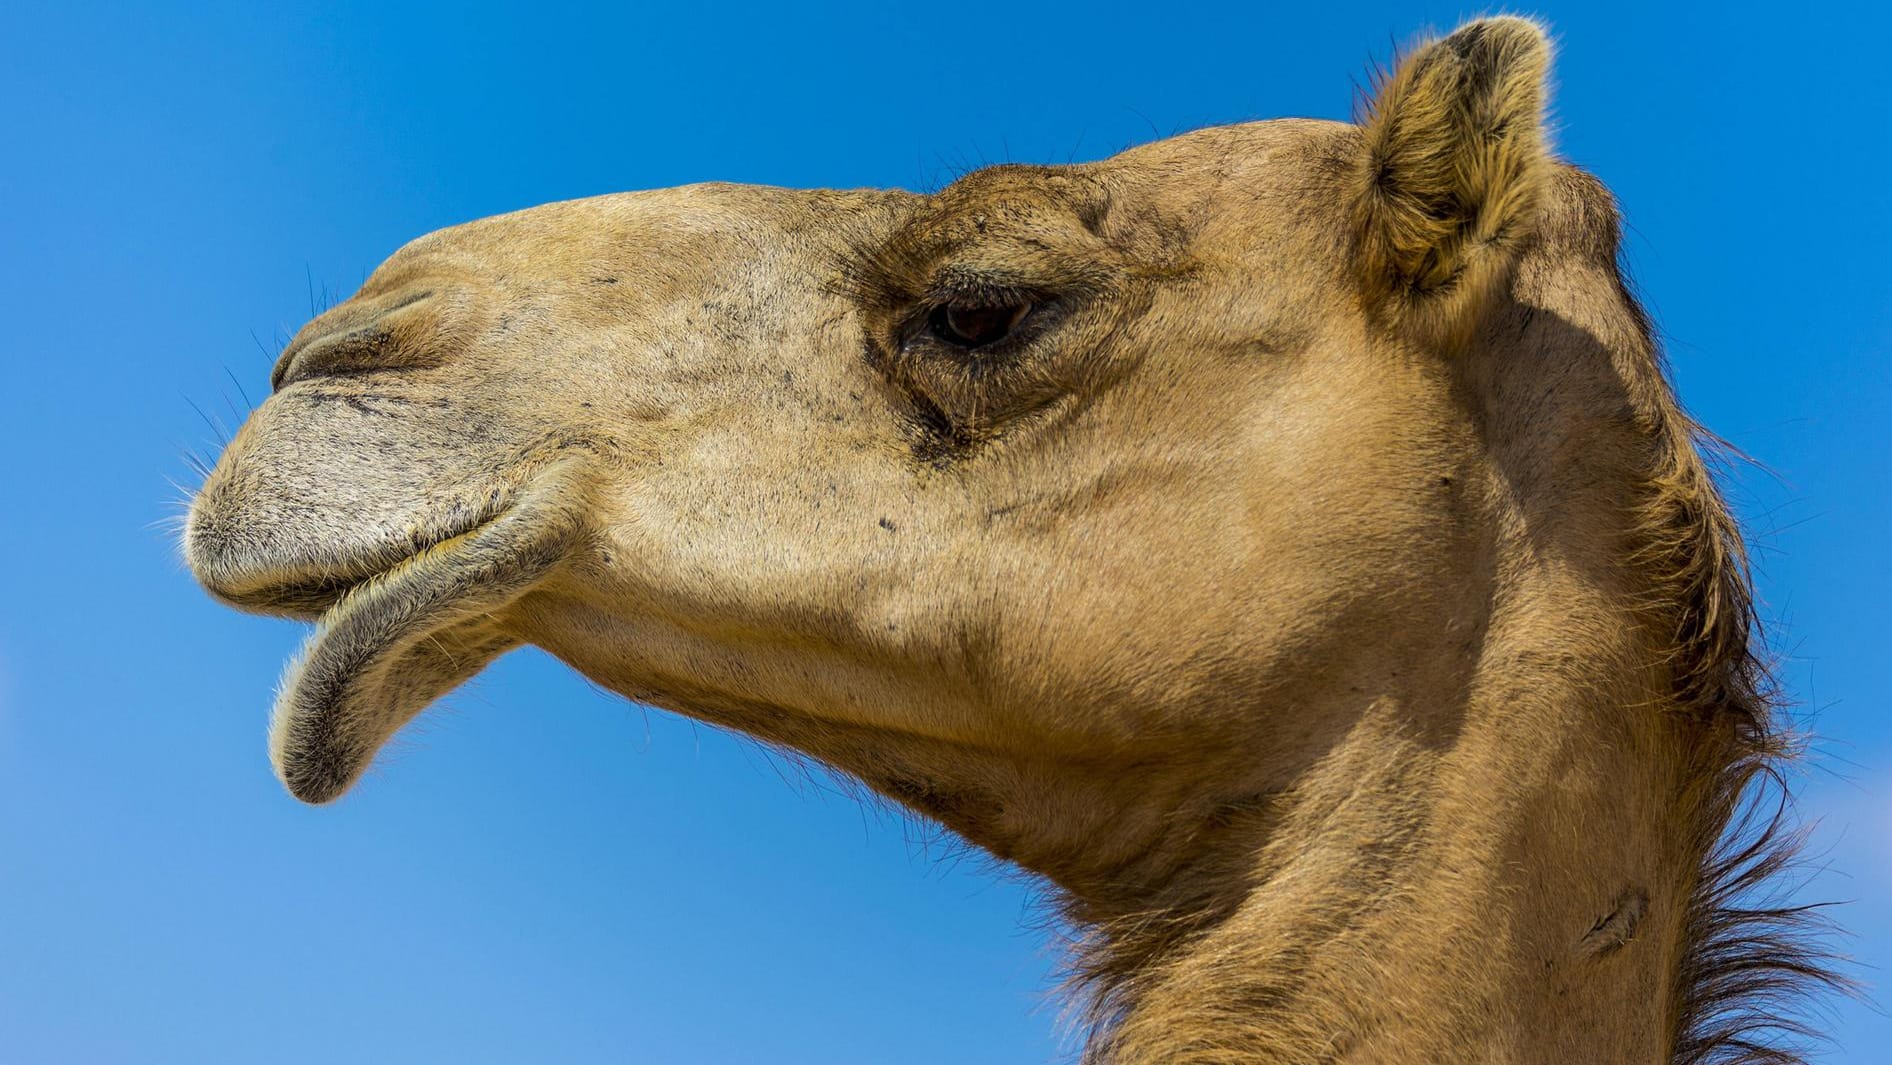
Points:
[[1042, 462], [1085, 509]]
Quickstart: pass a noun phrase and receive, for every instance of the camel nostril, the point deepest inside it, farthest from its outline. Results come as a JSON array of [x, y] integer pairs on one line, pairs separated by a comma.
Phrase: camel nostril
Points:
[[360, 340], [335, 355]]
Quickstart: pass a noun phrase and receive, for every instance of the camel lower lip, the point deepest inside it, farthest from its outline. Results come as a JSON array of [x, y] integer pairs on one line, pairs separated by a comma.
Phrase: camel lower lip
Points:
[[352, 633], [396, 642]]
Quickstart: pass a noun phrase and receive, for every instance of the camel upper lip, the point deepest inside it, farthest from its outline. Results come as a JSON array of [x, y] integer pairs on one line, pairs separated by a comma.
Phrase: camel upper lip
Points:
[[307, 589]]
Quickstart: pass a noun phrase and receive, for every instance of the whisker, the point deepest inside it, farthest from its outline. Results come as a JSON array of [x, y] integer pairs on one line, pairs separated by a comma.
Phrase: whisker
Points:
[[248, 404], [198, 464], [217, 429]]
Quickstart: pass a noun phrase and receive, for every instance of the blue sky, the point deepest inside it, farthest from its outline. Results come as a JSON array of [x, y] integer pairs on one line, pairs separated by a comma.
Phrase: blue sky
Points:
[[545, 872]]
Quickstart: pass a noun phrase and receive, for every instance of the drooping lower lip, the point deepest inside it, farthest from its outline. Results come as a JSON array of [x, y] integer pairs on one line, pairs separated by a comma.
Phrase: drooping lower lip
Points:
[[391, 645]]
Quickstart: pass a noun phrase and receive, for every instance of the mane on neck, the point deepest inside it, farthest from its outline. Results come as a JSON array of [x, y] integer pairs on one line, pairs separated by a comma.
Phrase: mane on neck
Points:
[[1752, 960]]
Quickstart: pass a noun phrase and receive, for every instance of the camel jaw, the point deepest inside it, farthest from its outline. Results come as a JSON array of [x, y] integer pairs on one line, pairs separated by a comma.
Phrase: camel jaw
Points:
[[391, 646]]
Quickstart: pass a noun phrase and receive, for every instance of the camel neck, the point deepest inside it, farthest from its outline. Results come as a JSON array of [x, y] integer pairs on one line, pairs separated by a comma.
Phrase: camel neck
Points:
[[1501, 891]]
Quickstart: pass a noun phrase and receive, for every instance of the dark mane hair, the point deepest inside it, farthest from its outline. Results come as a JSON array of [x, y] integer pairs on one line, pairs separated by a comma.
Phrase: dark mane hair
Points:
[[1753, 961]]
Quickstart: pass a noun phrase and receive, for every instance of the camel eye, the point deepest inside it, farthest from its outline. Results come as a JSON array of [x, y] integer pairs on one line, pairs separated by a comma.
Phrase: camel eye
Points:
[[975, 326]]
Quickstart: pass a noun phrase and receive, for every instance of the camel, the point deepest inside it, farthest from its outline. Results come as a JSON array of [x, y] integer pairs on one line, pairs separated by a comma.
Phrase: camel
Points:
[[1281, 539]]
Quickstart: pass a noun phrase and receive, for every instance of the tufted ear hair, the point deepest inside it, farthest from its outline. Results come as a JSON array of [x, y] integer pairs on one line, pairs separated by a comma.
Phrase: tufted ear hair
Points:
[[1449, 186]]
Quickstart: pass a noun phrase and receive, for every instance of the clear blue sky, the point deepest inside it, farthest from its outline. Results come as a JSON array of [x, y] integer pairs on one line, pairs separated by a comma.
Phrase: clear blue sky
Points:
[[547, 873]]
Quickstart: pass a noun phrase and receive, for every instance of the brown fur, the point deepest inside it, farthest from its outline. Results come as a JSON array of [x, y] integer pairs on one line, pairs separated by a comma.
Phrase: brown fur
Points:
[[1320, 587]]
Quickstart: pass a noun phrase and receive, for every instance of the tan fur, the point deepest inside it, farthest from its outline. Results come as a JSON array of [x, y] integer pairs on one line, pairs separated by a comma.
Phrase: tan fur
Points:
[[1321, 588]]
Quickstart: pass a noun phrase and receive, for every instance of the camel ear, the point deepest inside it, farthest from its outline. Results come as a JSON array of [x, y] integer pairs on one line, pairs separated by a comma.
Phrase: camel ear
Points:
[[1455, 160]]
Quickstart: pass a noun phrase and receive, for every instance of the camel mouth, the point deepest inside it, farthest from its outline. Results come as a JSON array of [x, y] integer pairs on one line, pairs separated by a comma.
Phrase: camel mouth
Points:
[[320, 597], [308, 585], [391, 645], [302, 600]]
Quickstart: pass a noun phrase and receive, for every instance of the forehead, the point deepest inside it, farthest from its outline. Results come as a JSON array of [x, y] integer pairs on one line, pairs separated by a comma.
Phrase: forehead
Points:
[[1188, 182], [1156, 201]]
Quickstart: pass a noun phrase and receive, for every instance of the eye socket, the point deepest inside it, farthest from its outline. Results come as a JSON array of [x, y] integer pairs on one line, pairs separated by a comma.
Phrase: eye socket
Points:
[[972, 326]]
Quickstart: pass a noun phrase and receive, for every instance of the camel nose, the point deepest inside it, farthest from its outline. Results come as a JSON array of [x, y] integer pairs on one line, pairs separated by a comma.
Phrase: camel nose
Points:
[[356, 337]]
